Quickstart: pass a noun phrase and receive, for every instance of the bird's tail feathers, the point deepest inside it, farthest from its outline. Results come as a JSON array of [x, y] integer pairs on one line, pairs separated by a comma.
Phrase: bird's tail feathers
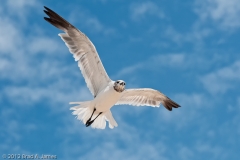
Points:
[[76, 102], [83, 112], [110, 119]]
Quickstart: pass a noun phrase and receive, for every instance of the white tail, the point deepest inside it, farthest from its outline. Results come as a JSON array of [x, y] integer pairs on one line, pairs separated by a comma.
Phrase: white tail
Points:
[[83, 112]]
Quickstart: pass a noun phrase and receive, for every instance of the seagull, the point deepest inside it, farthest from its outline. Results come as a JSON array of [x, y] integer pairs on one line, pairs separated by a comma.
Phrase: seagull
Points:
[[106, 92]]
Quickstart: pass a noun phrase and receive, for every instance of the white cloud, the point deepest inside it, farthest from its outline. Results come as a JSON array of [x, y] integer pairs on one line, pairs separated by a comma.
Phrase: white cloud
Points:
[[45, 45], [32, 65], [196, 35], [145, 150], [20, 5], [20, 8], [195, 100], [181, 61], [223, 79], [191, 105], [135, 146], [128, 70], [216, 152], [33, 70], [12, 129], [10, 36], [90, 22], [155, 62], [38, 73], [57, 94], [213, 15], [225, 13], [141, 10], [185, 153], [170, 60]]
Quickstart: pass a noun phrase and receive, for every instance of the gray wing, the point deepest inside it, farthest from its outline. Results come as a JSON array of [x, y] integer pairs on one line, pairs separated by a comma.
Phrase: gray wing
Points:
[[83, 51], [146, 97]]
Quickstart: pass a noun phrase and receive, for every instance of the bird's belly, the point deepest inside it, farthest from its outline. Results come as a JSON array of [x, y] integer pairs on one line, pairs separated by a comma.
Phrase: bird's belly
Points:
[[105, 100]]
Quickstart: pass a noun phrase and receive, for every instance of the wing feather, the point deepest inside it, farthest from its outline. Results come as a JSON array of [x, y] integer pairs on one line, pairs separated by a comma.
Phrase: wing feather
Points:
[[83, 51], [146, 97]]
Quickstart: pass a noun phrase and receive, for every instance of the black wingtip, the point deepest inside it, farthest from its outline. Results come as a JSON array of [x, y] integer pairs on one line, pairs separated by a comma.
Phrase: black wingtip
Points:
[[47, 8], [169, 104], [45, 11], [56, 20], [46, 18]]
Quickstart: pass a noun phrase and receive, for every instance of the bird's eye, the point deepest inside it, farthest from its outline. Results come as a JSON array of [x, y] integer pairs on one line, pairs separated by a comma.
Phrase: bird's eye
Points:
[[117, 82], [124, 83]]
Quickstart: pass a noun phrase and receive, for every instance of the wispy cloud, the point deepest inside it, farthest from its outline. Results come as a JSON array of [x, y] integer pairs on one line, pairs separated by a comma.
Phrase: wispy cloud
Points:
[[19, 9], [12, 129], [196, 35], [32, 73], [178, 61], [91, 22], [10, 38], [19, 53], [132, 146], [224, 13], [50, 46], [39, 77], [215, 17], [154, 62], [142, 10], [192, 104], [135, 153], [223, 79]]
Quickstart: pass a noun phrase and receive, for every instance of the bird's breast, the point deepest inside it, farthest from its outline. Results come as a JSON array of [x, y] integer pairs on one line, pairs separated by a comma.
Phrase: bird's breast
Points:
[[106, 99]]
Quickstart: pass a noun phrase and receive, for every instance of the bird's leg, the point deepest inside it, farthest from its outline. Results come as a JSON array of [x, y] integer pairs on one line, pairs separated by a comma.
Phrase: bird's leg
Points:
[[89, 122], [97, 116], [91, 116]]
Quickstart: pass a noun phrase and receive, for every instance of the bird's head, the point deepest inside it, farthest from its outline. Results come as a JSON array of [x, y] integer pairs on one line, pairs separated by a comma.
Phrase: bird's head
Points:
[[119, 85]]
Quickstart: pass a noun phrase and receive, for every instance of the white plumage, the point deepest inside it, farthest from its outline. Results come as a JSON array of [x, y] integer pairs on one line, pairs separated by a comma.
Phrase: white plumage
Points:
[[106, 92], [88, 60]]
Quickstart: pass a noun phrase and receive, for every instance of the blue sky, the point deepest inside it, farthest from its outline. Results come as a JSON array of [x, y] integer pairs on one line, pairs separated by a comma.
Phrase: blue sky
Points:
[[188, 50]]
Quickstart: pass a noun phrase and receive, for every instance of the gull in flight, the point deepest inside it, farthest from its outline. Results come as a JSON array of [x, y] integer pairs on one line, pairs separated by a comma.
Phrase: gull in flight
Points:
[[105, 91]]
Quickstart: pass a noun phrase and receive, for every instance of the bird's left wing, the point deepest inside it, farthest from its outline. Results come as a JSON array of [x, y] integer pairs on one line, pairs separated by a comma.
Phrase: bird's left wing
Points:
[[146, 97], [83, 51]]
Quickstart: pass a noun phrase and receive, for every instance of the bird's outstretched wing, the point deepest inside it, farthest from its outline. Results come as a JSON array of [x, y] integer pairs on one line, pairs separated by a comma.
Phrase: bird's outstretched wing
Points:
[[83, 51], [146, 97]]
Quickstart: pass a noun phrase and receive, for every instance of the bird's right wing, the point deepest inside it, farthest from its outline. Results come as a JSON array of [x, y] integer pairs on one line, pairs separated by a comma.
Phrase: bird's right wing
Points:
[[83, 51], [146, 97]]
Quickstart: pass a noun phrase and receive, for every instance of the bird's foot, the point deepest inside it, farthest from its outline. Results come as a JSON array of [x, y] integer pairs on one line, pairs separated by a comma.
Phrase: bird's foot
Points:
[[89, 121]]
